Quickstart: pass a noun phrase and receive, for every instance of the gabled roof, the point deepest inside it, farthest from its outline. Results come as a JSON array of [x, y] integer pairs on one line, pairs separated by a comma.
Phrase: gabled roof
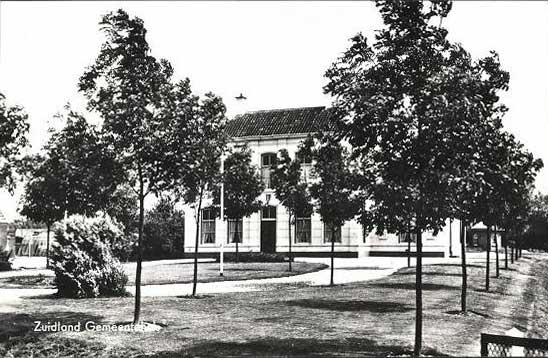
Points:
[[280, 121]]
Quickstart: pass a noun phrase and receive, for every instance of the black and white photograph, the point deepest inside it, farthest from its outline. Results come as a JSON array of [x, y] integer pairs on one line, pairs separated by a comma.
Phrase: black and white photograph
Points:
[[273, 179]]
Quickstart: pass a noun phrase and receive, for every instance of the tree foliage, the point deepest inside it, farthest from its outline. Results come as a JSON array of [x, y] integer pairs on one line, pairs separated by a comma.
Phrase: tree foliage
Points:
[[43, 199], [13, 130], [133, 93], [83, 165], [207, 143], [242, 188], [291, 189], [164, 231], [536, 229], [424, 120], [334, 190], [242, 185]]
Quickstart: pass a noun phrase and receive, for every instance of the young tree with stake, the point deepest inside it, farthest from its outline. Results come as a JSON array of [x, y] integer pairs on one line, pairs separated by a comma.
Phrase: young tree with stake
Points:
[[333, 191], [132, 92], [242, 188], [394, 106], [198, 180], [43, 199], [292, 191]]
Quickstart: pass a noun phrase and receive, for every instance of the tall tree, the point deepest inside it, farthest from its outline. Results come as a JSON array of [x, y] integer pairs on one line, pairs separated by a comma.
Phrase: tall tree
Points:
[[334, 191], [510, 172], [83, 165], [537, 221], [292, 192], [394, 105], [132, 92], [43, 200], [242, 186], [13, 130]]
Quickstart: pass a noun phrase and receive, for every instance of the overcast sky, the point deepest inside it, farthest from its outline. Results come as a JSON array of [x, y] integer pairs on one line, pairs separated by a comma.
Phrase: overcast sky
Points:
[[275, 53]]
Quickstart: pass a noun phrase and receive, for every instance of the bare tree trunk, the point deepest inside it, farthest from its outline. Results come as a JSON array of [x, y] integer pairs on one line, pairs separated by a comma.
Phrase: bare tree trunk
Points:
[[408, 236], [463, 264], [47, 245], [451, 238], [289, 237], [196, 243], [497, 271], [505, 251], [488, 257], [512, 254], [137, 314], [418, 296], [516, 250], [408, 251], [237, 243], [331, 282]]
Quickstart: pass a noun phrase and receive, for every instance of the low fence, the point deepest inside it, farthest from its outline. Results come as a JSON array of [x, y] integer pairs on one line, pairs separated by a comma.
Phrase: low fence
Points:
[[34, 249], [506, 346]]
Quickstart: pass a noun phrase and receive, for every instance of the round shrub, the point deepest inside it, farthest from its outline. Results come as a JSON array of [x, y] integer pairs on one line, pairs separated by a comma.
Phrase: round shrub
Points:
[[83, 261]]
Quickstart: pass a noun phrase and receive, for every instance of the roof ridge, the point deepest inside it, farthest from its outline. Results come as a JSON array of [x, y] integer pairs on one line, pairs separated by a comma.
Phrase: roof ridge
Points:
[[282, 109], [278, 121]]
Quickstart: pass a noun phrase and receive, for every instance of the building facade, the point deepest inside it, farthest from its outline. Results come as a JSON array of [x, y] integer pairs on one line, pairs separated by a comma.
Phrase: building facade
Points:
[[266, 133]]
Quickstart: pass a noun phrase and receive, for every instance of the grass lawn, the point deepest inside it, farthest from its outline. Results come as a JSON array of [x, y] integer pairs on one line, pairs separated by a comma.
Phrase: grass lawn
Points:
[[209, 272], [183, 273], [354, 320]]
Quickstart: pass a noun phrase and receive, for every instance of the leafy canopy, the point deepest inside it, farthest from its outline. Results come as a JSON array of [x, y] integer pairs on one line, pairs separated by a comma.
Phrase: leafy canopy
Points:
[[334, 190], [414, 106], [242, 185], [290, 188], [13, 130]]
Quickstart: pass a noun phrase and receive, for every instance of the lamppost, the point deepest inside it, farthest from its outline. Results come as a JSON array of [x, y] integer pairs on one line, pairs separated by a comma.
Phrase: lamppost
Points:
[[221, 254]]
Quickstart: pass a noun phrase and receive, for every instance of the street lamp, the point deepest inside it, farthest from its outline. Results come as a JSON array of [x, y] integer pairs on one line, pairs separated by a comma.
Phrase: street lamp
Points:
[[221, 254]]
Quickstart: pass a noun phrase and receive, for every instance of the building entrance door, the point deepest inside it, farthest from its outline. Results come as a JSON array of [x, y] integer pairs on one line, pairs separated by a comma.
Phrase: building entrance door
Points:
[[268, 229]]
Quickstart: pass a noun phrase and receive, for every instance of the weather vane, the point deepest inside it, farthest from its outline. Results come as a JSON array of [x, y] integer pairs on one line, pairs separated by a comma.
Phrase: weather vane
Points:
[[241, 97]]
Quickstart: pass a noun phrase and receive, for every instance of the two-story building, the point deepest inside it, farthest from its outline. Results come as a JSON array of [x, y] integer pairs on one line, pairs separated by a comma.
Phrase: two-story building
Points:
[[266, 133]]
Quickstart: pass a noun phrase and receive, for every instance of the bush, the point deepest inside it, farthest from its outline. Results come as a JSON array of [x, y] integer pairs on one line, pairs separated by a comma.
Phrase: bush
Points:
[[254, 257], [164, 231], [113, 234], [5, 263], [83, 261]]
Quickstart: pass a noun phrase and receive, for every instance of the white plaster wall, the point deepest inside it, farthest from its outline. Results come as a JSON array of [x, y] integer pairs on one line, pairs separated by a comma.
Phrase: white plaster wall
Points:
[[351, 235]]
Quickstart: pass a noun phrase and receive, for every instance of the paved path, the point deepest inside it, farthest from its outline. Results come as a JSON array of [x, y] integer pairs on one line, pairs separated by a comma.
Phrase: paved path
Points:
[[346, 271]]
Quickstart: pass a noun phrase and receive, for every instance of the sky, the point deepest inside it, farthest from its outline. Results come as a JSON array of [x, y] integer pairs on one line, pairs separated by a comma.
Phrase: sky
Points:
[[275, 53]]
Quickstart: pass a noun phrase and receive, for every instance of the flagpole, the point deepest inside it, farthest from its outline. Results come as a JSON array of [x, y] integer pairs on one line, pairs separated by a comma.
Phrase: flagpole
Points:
[[221, 254]]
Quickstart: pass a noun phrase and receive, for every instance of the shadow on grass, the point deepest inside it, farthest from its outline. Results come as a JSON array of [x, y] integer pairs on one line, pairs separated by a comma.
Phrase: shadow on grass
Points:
[[468, 312], [458, 265], [411, 286], [432, 274], [19, 324], [196, 297], [345, 305], [28, 281], [57, 296], [360, 268], [291, 347], [495, 291]]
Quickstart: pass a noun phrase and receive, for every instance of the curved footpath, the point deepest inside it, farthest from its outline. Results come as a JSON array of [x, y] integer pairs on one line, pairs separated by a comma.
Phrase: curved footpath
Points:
[[346, 271]]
